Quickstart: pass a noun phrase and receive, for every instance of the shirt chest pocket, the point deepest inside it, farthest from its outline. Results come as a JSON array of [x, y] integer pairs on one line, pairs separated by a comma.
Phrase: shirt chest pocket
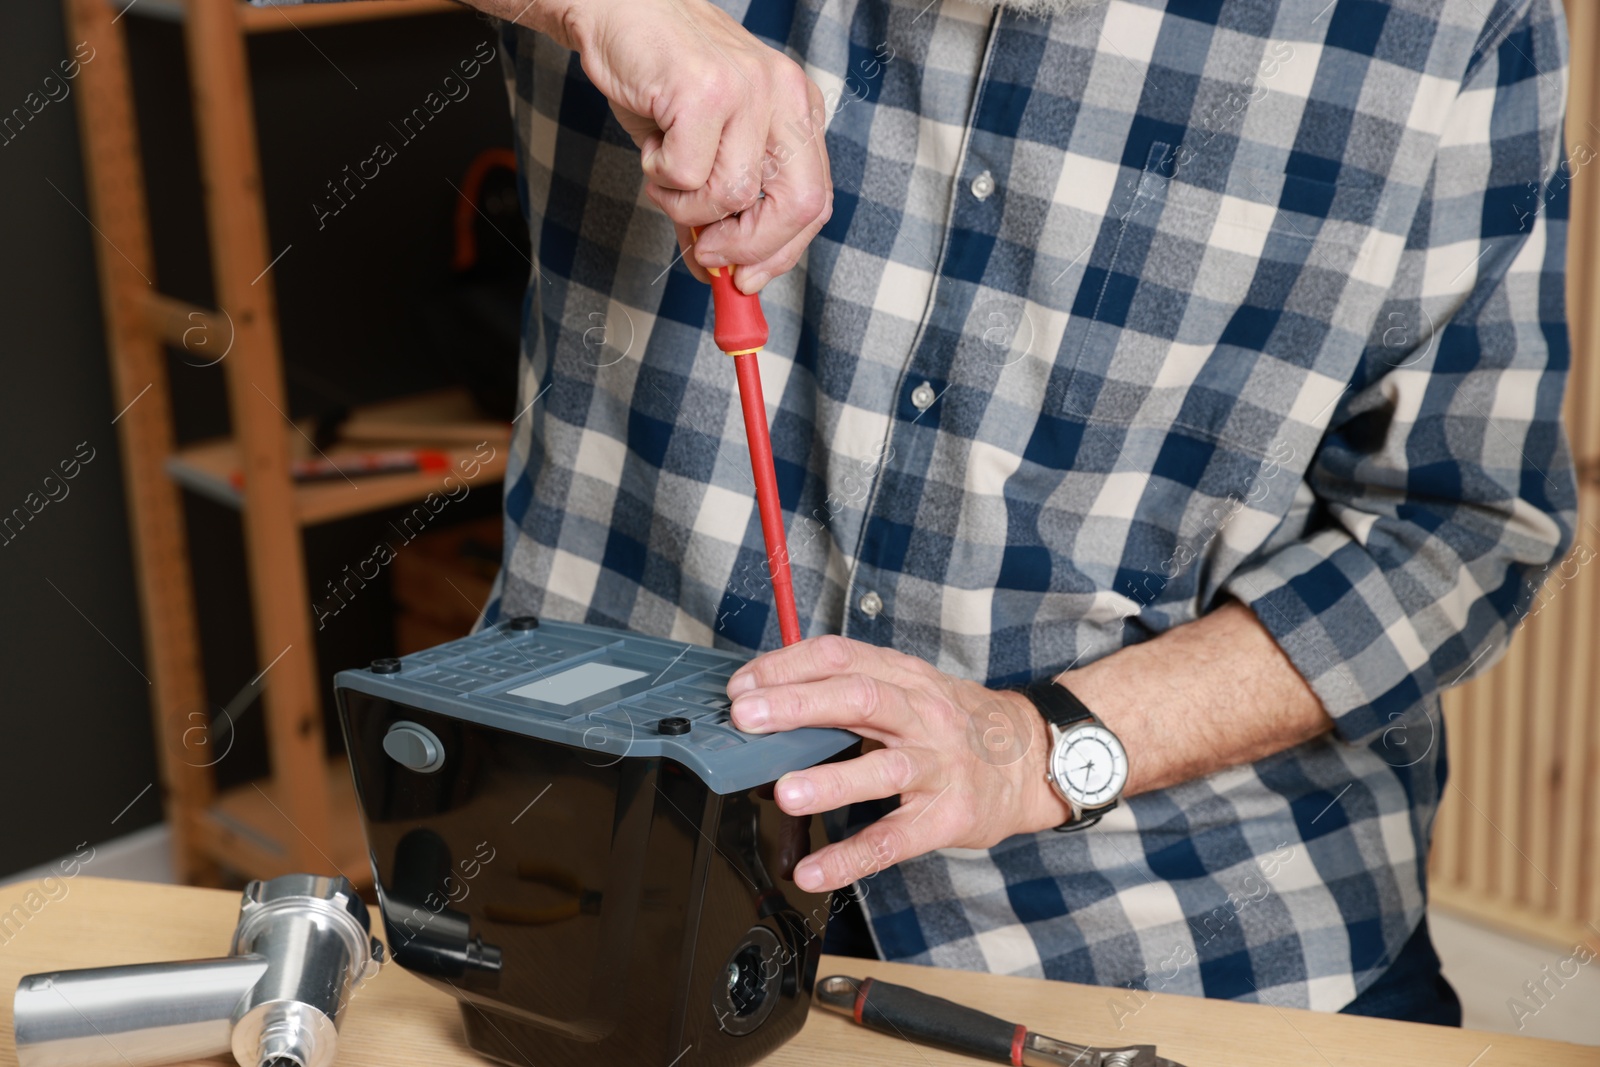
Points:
[[1234, 317]]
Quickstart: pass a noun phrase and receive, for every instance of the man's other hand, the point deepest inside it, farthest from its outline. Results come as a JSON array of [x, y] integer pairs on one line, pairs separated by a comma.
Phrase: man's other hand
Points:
[[966, 762]]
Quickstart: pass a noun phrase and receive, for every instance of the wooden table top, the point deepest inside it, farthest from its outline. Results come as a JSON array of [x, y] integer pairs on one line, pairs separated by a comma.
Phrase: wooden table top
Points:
[[400, 1020]]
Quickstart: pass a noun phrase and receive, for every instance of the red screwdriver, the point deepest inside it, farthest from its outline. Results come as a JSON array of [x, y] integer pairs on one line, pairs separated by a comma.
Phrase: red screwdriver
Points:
[[741, 332]]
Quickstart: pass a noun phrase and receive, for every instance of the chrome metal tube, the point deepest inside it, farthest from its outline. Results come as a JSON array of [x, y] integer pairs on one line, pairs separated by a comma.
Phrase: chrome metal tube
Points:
[[140, 1015], [301, 947]]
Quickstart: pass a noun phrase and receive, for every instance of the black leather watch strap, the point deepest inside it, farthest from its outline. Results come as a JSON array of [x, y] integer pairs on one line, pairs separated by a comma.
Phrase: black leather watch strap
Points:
[[1056, 703]]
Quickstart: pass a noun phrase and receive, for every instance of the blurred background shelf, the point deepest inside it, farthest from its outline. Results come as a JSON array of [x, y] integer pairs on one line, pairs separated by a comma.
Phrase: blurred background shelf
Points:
[[302, 816], [208, 468], [475, 449]]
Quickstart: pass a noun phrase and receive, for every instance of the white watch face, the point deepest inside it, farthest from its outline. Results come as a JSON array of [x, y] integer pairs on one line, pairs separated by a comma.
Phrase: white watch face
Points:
[[1089, 765]]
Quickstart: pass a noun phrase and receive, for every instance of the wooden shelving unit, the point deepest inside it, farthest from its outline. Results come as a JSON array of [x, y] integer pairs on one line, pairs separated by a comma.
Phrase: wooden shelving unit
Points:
[[304, 816]]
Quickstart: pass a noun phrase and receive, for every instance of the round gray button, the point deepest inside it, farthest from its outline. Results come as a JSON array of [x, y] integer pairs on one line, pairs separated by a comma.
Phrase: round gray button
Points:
[[414, 746], [871, 604], [923, 396], [983, 185]]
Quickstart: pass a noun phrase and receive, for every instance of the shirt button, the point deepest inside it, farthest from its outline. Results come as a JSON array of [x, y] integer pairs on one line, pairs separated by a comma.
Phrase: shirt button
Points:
[[923, 396], [871, 604], [983, 185]]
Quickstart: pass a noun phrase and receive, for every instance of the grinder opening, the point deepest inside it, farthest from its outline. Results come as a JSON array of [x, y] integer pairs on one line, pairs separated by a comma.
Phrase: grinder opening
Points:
[[749, 989], [745, 988]]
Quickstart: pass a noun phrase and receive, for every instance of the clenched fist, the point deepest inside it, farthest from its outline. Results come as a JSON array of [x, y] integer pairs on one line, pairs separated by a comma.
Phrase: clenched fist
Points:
[[730, 131]]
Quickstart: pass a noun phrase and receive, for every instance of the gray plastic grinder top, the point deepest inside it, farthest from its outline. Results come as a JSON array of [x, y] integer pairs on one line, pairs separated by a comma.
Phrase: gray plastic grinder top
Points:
[[614, 693]]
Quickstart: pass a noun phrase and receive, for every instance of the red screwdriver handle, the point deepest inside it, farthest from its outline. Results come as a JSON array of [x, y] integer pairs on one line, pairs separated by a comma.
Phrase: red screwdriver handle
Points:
[[740, 325]]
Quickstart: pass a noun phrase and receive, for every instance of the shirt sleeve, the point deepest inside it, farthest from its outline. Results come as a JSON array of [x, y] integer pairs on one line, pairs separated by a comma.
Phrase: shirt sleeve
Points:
[[1444, 485]]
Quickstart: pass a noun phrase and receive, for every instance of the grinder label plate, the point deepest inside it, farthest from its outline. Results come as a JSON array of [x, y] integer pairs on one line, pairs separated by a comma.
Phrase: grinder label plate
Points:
[[576, 683]]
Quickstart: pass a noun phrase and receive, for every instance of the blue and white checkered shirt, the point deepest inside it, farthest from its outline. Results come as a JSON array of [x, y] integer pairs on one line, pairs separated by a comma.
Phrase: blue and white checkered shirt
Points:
[[1119, 314]]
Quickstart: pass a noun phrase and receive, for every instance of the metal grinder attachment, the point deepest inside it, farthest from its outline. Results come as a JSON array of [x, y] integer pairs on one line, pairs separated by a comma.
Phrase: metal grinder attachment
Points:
[[301, 948]]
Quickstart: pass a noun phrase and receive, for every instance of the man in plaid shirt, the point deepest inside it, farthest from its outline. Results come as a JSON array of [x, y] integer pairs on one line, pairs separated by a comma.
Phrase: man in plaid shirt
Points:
[[1207, 356]]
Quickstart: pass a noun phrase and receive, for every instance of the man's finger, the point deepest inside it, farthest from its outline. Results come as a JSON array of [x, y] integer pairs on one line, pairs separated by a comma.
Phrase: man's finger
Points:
[[642, 129], [753, 277], [795, 179], [732, 184], [859, 702], [756, 275], [823, 657], [884, 772], [796, 196], [883, 844], [686, 154]]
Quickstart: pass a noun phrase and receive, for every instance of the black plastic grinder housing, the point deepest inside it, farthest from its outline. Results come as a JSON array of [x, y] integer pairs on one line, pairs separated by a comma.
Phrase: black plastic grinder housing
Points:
[[568, 833]]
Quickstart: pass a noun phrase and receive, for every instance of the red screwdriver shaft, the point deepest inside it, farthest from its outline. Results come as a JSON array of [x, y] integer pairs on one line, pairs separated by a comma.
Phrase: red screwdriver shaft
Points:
[[741, 331], [755, 428]]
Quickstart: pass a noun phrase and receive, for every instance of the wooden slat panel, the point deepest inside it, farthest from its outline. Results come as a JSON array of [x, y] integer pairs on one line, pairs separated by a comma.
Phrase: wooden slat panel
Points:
[[1448, 854], [1507, 800], [1583, 280], [1512, 918], [1540, 717], [1461, 749], [1586, 778], [1519, 817], [1579, 763], [1480, 753]]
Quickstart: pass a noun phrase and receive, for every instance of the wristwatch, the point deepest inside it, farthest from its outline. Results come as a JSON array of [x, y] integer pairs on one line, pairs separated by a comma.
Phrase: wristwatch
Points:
[[1086, 765]]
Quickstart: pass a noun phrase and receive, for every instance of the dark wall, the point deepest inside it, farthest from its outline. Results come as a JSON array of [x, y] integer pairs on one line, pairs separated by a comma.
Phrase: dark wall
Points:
[[353, 290]]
